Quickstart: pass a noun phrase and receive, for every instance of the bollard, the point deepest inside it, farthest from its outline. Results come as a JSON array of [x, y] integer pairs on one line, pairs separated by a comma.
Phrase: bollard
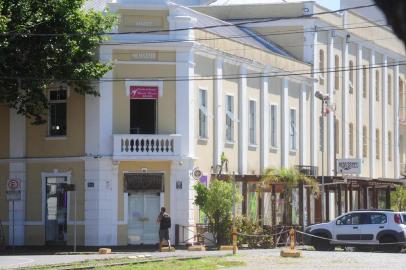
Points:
[[292, 239], [291, 252], [234, 237]]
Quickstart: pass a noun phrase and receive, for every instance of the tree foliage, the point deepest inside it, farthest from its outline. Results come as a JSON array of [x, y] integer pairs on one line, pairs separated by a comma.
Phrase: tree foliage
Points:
[[398, 199], [44, 42], [216, 202]]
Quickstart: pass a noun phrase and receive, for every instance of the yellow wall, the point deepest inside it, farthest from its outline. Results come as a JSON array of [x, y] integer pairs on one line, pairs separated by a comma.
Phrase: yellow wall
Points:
[[34, 235], [4, 131], [204, 146], [166, 103], [135, 167], [34, 187], [39, 145], [275, 90], [253, 153], [230, 87], [122, 235], [3, 186]]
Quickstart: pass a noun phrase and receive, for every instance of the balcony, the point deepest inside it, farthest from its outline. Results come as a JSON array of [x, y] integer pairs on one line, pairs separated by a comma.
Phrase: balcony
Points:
[[307, 170], [146, 146]]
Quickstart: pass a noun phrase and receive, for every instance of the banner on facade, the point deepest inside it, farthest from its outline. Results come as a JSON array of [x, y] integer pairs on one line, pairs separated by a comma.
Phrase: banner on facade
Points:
[[144, 92], [349, 166]]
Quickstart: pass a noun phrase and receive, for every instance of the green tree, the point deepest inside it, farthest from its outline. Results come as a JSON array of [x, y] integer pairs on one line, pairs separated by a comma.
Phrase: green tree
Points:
[[398, 199], [290, 178], [216, 202], [44, 42]]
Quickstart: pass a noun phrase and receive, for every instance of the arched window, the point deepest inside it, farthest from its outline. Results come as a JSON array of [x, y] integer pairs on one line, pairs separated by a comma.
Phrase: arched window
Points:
[[351, 70], [337, 72], [401, 94], [337, 135], [321, 66], [377, 82], [364, 142], [351, 141]]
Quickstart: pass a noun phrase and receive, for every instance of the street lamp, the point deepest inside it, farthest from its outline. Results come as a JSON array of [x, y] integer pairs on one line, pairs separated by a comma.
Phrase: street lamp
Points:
[[324, 99]]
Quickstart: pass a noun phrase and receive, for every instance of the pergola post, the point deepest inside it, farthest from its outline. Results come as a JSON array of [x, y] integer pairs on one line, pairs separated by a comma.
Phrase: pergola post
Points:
[[387, 199]]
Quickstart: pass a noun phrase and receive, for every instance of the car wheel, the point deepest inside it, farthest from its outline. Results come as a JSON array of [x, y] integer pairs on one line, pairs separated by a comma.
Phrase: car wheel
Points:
[[389, 248], [322, 244]]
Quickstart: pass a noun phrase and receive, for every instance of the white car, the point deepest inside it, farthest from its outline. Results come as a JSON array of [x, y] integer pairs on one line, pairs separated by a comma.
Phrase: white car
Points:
[[363, 228]]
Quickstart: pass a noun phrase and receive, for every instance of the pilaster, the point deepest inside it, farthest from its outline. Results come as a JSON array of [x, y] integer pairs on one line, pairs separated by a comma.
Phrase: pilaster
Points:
[[344, 94], [330, 116], [396, 158], [372, 125], [243, 124], [17, 170], [303, 127], [218, 112], [285, 123], [264, 118], [384, 100], [359, 102], [185, 101], [314, 104]]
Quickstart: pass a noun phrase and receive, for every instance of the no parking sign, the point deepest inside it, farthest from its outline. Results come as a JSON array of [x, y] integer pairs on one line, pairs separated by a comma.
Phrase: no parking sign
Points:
[[13, 190]]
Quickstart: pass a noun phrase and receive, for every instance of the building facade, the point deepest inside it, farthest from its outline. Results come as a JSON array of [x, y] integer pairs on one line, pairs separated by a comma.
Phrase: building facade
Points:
[[189, 84]]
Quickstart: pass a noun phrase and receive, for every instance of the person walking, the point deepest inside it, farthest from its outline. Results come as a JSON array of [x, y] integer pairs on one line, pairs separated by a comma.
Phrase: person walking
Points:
[[164, 221]]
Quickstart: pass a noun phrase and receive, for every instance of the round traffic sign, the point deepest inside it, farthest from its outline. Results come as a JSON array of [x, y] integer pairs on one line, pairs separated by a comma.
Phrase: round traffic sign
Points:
[[13, 184]]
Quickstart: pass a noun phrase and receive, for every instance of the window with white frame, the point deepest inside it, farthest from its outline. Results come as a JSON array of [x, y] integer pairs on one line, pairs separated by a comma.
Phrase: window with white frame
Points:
[[293, 129], [57, 121], [229, 118], [202, 113], [352, 72], [252, 122], [273, 114]]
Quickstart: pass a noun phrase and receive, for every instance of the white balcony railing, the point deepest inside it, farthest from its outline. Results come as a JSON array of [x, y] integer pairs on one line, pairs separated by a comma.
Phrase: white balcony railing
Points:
[[147, 145]]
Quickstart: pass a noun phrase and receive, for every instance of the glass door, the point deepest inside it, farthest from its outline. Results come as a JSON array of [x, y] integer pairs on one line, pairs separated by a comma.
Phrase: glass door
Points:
[[56, 210]]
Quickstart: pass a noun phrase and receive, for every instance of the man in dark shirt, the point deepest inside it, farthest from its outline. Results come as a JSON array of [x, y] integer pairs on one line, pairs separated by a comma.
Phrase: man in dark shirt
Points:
[[164, 221]]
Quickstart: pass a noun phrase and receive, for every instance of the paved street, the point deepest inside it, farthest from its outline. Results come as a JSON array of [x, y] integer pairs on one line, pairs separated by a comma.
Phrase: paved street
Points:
[[255, 259]]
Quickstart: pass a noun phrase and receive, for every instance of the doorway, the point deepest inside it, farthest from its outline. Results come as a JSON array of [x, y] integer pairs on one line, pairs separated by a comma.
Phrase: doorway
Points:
[[143, 210], [145, 193], [56, 210], [143, 116]]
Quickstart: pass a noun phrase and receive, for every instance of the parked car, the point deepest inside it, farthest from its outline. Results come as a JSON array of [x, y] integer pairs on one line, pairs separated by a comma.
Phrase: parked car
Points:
[[363, 229]]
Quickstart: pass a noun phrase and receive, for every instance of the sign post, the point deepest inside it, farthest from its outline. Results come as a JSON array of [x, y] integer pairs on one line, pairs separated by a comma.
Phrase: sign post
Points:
[[13, 193]]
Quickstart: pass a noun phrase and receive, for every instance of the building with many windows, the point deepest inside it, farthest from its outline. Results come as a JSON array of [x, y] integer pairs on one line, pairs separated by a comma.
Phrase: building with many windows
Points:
[[190, 82]]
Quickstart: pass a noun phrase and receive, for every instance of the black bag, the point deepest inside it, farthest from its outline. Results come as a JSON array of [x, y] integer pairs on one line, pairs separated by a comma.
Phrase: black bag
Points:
[[165, 222]]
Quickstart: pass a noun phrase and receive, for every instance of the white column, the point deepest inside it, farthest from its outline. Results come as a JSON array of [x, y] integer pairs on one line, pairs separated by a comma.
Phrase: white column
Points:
[[384, 143], [330, 117], [218, 112], [264, 115], [396, 122], [303, 127], [243, 125], [315, 112], [359, 101], [285, 123], [185, 101], [100, 200], [344, 96], [372, 126], [17, 170], [182, 208]]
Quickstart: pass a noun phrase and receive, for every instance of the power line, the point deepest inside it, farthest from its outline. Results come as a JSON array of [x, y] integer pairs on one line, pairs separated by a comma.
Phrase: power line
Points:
[[188, 28], [205, 78]]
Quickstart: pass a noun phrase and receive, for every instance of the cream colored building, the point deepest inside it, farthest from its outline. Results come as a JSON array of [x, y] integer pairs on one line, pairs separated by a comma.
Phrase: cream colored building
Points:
[[188, 85]]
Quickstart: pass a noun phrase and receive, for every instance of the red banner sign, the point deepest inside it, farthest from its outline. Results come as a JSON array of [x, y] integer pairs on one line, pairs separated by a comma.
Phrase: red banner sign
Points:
[[143, 92]]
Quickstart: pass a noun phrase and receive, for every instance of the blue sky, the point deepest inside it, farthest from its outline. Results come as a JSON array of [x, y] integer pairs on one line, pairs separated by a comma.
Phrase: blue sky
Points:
[[330, 4]]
